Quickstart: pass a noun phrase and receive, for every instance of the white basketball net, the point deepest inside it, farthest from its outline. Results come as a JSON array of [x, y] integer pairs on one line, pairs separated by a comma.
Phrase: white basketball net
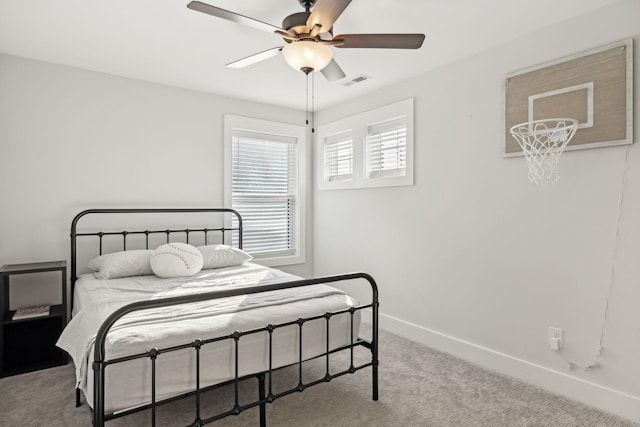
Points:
[[542, 142]]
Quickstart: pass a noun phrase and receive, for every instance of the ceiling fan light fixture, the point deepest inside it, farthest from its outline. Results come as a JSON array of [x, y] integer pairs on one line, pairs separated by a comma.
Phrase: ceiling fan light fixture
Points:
[[305, 55]]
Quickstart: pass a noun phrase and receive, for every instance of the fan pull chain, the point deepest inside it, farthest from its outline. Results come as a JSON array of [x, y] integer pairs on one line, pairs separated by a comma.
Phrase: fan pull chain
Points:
[[313, 97], [308, 71], [306, 105]]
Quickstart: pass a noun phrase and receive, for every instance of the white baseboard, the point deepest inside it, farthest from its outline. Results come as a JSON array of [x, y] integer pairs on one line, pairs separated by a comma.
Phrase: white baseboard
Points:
[[601, 397]]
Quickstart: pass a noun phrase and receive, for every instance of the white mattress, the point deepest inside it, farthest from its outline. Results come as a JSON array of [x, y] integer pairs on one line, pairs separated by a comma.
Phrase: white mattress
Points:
[[128, 384]]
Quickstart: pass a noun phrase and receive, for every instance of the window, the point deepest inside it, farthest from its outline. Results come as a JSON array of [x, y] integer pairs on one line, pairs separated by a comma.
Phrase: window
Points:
[[265, 183], [387, 148], [370, 149], [338, 156]]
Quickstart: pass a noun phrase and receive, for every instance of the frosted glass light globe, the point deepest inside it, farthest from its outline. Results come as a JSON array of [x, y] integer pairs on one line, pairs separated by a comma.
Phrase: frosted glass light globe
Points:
[[306, 54]]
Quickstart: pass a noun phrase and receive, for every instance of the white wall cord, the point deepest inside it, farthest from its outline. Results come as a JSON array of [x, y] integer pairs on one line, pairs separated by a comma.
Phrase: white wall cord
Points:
[[614, 256]]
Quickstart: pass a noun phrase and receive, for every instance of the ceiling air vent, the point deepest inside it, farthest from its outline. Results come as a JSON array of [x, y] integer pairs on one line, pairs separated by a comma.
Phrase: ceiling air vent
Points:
[[356, 79]]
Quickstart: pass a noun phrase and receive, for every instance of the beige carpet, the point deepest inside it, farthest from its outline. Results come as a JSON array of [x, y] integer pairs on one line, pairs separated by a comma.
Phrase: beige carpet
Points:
[[418, 387]]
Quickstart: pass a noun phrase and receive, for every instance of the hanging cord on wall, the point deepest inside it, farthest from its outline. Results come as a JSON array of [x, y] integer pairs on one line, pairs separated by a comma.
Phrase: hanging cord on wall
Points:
[[573, 366], [614, 256]]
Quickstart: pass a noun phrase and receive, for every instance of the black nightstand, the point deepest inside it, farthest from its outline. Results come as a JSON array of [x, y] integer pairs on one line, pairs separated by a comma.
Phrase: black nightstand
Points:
[[30, 344]]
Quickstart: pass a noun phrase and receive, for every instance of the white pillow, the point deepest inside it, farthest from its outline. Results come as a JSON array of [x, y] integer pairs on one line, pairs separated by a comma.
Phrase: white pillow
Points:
[[218, 256], [176, 260], [122, 264]]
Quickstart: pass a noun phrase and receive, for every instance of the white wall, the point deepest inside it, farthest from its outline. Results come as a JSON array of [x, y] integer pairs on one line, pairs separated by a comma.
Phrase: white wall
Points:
[[472, 259], [475, 260], [72, 139]]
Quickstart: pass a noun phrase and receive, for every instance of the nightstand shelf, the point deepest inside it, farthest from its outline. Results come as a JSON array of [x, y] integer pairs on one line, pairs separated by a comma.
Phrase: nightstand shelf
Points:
[[29, 344], [54, 311]]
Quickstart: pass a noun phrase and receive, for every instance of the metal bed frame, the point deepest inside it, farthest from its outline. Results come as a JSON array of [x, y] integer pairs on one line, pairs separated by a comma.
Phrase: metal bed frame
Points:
[[265, 393]]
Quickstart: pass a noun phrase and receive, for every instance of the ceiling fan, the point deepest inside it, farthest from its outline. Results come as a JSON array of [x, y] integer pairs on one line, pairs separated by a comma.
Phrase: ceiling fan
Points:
[[309, 35]]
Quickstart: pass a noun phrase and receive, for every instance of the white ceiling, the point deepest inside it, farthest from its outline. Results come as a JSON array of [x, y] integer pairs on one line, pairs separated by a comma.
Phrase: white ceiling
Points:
[[164, 42]]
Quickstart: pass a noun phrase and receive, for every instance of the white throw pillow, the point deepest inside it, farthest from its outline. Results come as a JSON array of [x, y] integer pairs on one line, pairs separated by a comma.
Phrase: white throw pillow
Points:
[[121, 264], [176, 260], [218, 256]]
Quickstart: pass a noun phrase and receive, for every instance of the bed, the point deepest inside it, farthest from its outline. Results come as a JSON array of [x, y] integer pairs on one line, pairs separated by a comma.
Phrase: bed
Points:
[[139, 341]]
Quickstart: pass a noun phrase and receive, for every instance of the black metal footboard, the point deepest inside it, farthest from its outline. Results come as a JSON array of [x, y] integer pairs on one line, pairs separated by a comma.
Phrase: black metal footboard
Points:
[[265, 396]]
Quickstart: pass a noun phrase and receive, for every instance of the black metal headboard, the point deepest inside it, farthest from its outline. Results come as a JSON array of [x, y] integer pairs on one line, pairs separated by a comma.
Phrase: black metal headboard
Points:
[[204, 230]]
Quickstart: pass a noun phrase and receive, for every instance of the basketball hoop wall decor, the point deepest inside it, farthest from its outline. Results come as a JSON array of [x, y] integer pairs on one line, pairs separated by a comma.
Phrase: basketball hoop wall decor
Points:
[[542, 142], [594, 88]]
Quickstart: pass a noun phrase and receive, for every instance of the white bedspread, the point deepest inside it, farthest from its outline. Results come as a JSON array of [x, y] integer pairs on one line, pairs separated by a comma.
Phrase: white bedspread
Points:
[[174, 325]]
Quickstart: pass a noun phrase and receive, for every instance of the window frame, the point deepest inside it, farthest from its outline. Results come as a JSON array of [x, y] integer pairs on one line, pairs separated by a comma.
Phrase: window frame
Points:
[[266, 127], [358, 125]]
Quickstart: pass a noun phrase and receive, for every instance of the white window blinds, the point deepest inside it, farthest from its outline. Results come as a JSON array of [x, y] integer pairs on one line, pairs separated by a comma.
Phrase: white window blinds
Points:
[[338, 156], [369, 149], [264, 189], [386, 145]]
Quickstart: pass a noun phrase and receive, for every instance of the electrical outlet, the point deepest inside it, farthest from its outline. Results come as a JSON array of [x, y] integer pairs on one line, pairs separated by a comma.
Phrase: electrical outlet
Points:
[[555, 338]]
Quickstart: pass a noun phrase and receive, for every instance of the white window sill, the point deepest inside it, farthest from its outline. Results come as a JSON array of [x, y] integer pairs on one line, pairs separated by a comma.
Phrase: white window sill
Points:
[[279, 261]]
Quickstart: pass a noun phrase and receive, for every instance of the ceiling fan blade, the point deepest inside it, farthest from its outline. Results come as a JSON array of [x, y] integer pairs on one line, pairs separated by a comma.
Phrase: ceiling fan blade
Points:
[[333, 71], [234, 17], [325, 13], [380, 41], [255, 58]]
